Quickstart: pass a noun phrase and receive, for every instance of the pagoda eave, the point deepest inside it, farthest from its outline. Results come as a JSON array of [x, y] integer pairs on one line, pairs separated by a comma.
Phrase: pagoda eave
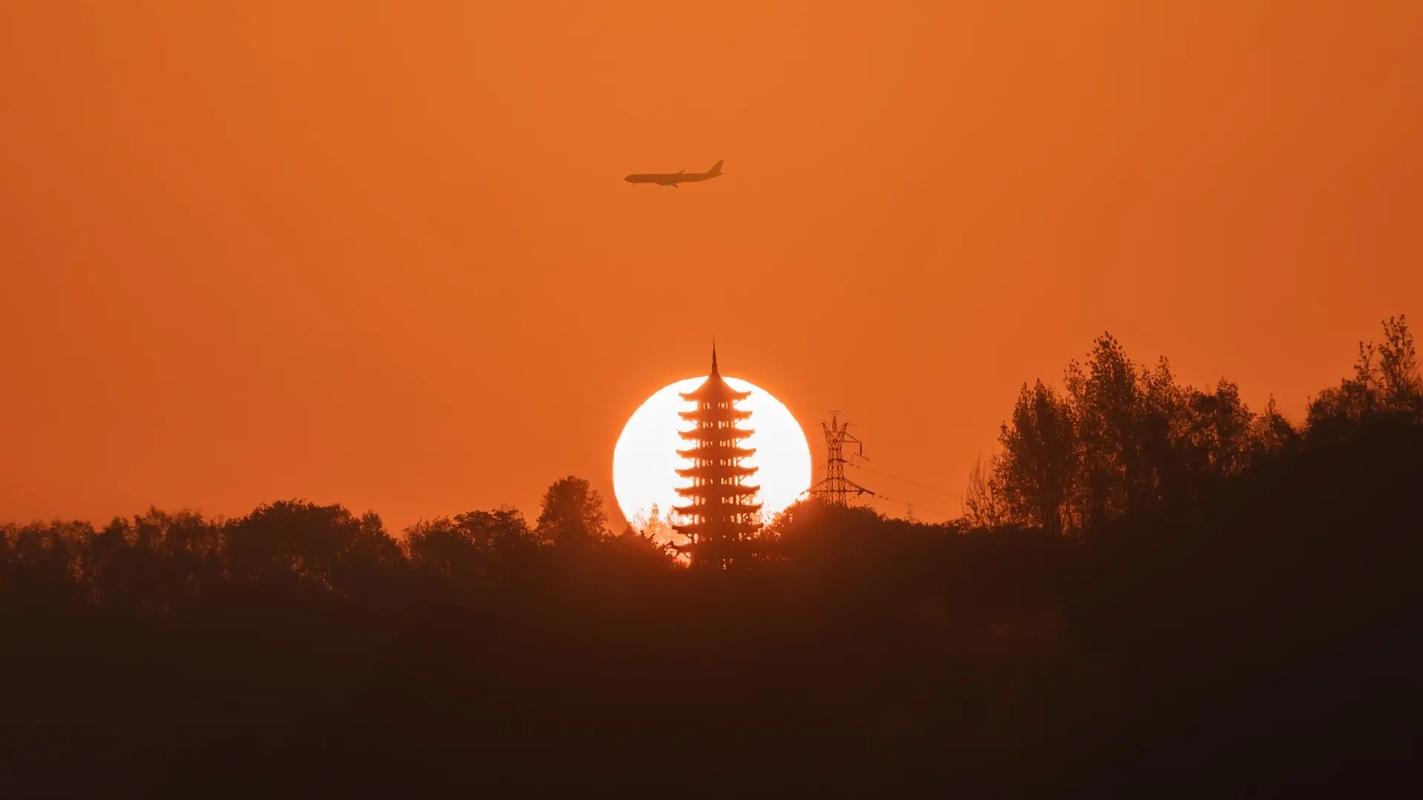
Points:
[[714, 414], [714, 452], [734, 528], [715, 434]]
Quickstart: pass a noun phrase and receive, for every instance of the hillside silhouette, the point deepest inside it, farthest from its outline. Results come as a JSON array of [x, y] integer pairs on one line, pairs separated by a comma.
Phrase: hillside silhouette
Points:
[[1154, 590]]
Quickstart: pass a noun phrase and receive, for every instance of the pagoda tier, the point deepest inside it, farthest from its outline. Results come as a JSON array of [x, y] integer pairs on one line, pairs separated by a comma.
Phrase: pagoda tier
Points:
[[712, 491], [715, 414], [724, 434], [725, 504], [715, 433], [714, 452], [703, 533], [715, 389], [704, 472], [721, 511]]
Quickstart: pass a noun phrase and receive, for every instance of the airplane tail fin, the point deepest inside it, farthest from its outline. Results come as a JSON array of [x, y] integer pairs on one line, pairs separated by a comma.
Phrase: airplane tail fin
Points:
[[716, 168]]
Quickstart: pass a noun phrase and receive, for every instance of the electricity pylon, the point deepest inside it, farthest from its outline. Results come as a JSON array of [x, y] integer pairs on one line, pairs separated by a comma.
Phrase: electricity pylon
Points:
[[835, 488]]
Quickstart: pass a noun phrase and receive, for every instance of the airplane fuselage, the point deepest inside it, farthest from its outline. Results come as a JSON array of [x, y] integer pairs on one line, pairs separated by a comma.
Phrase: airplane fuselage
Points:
[[669, 179], [674, 178]]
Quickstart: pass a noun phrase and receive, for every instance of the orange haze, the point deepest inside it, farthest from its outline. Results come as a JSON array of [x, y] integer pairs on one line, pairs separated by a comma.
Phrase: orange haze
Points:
[[383, 253]]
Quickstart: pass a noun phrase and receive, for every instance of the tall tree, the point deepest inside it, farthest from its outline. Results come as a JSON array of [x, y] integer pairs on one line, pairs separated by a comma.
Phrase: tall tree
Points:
[[983, 502], [1104, 394], [1398, 368], [572, 515], [1214, 431], [1039, 457], [294, 543], [1270, 432], [477, 548], [1385, 382]]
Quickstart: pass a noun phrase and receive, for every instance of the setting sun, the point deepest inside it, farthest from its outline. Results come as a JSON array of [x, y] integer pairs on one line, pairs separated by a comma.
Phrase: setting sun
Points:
[[645, 460]]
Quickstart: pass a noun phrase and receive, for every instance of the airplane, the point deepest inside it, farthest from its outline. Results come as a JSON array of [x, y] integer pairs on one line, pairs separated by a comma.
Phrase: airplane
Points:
[[674, 178]]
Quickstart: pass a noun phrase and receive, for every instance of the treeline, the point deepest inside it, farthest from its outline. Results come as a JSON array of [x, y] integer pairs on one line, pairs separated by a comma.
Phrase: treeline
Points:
[[1155, 591], [159, 563], [1126, 437]]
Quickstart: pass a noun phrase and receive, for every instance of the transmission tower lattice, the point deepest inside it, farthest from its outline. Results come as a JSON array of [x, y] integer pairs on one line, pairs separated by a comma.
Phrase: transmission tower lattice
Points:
[[835, 488]]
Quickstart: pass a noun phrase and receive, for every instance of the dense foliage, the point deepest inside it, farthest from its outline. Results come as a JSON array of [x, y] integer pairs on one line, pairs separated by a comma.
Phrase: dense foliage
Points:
[[1156, 590]]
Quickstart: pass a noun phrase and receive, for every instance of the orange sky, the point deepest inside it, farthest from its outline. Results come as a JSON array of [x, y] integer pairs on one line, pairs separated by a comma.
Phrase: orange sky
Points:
[[383, 255]]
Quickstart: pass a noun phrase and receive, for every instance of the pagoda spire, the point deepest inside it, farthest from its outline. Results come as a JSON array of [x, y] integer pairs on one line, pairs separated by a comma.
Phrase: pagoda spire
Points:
[[721, 509]]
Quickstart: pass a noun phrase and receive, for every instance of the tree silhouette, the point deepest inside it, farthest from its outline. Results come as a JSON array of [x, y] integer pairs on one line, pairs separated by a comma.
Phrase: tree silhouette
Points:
[[474, 549], [984, 504], [1398, 368], [41, 567], [1039, 458], [1106, 401], [1385, 386], [294, 545], [572, 516], [1271, 433]]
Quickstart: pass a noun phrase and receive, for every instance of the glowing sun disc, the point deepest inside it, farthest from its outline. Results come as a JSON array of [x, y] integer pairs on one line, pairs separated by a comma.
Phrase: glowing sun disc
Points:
[[645, 460]]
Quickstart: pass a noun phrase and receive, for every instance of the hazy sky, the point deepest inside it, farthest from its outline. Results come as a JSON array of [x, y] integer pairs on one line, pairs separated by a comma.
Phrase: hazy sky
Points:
[[382, 254]]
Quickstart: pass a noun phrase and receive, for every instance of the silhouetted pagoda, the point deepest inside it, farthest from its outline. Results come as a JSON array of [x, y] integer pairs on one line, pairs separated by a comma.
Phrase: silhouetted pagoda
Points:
[[720, 505]]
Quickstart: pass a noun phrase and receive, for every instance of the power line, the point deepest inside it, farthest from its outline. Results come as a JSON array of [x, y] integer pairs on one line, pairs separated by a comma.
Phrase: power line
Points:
[[836, 488], [920, 484], [915, 506]]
